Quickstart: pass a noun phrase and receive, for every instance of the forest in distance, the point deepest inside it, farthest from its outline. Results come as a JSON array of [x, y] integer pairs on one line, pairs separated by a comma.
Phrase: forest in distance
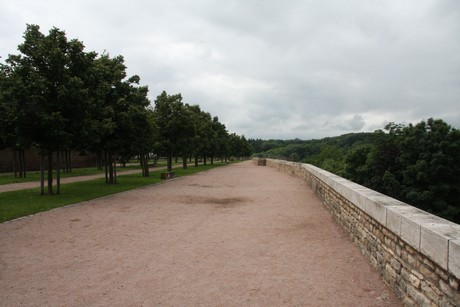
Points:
[[418, 164]]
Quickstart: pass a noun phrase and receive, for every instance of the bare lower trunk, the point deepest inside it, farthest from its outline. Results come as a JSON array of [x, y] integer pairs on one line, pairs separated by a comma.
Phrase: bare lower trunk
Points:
[[110, 164], [169, 161], [23, 157], [184, 162], [42, 173], [14, 163], [50, 173], [58, 173], [106, 167], [115, 169], [69, 161]]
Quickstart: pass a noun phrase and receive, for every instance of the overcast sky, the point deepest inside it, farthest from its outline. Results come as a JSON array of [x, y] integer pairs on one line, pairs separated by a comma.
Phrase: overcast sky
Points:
[[269, 68]]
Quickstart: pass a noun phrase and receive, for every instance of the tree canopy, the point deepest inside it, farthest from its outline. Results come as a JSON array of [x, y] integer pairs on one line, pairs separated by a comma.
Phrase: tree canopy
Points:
[[418, 164], [57, 97]]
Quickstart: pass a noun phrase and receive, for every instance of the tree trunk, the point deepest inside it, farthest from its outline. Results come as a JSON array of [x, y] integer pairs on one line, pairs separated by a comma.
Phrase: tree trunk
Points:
[[169, 160], [143, 158], [42, 173], [196, 160], [21, 166], [204, 160], [114, 169], [212, 159], [141, 162], [50, 172], [69, 160], [147, 171], [21, 169], [106, 165], [110, 163], [58, 172], [24, 162], [184, 162], [99, 160], [14, 163]]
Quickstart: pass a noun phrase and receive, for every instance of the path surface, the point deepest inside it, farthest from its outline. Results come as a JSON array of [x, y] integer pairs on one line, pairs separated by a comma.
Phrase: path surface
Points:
[[233, 236], [36, 184]]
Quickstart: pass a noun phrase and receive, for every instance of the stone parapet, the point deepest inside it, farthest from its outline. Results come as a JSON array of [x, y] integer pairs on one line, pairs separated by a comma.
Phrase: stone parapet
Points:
[[417, 253]]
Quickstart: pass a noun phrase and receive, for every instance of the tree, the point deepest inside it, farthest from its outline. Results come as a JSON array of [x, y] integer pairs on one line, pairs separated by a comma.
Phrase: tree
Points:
[[12, 93], [198, 141], [357, 162], [47, 75], [218, 139], [173, 121], [117, 111], [431, 167]]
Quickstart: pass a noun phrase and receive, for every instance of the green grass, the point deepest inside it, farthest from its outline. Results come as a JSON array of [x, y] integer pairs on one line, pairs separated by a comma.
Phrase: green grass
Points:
[[35, 175], [26, 202]]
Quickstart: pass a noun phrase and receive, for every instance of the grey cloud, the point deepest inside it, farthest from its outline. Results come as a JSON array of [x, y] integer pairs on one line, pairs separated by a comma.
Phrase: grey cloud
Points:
[[275, 69]]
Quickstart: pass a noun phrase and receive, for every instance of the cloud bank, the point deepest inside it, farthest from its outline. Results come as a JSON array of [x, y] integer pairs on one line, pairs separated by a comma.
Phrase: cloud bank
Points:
[[275, 69]]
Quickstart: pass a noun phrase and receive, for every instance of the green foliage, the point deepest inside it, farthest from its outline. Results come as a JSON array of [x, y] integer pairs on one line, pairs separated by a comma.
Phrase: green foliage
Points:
[[418, 164], [56, 96]]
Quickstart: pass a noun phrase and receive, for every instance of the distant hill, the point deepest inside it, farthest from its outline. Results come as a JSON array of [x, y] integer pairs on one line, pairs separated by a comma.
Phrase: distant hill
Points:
[[418, 164]]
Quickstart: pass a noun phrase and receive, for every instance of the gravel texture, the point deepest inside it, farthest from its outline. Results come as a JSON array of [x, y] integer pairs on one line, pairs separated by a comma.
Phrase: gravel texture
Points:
[[232, 236]]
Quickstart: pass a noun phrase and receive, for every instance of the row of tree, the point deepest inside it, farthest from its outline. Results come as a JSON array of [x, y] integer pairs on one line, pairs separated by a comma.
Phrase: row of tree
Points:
[[59, 98], [418, 164]]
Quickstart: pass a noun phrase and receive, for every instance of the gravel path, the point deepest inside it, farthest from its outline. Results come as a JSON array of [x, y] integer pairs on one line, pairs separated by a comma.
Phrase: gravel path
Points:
[[232, 236]]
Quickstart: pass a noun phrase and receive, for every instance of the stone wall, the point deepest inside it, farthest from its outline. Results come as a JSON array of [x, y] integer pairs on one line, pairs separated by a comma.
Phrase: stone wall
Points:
[[417, 253]]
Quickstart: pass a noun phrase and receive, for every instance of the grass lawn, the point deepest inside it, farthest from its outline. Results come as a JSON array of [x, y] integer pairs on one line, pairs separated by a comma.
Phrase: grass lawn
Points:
[[35, 175], [26, 202]]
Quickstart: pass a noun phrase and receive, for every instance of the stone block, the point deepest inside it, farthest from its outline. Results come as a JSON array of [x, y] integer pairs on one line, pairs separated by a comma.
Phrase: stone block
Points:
[[390, 271], [345, 189], [414, 280], [446, 288], [454, 257], [429, 292], [375, 208], [410, 232], [418, 297], [395, 264], [393, 221], [434, 245], [262, 162], [358, 197], [435, 235]]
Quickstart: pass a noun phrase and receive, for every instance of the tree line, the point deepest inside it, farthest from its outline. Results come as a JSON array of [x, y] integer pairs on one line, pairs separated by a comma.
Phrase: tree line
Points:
[[417, 163], [58, 98]]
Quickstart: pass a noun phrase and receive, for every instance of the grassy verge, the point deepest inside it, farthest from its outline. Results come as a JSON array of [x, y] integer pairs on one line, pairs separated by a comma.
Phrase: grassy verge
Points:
[[26, 202], [35, 175]]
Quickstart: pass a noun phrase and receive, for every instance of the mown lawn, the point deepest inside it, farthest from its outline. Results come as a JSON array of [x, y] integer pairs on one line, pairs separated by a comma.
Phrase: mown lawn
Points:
[[35, 175], [26, 202]]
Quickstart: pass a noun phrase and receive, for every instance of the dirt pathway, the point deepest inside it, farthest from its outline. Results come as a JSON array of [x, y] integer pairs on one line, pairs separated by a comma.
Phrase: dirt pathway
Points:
[[36, 184], [233, 236]]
